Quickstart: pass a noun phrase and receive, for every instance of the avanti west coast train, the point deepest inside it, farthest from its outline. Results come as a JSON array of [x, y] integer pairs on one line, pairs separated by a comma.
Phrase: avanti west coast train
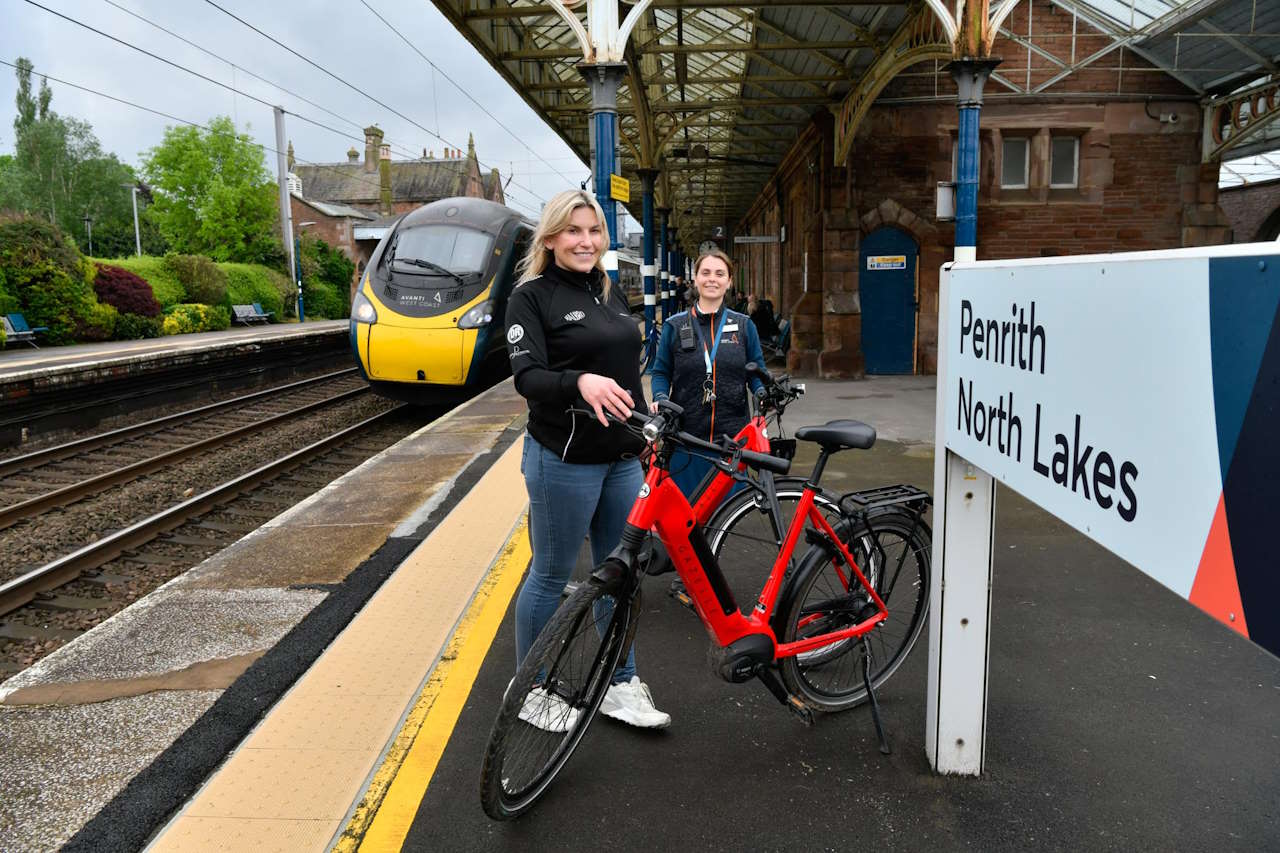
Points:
[[427, 319]]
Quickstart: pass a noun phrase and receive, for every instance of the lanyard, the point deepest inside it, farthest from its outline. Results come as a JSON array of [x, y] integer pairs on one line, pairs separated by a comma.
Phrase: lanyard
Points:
[[709, 355]]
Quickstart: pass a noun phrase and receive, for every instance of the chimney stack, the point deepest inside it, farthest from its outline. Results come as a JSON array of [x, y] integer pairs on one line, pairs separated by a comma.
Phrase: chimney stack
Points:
[[353, 156], [372, 142], [384, 180]]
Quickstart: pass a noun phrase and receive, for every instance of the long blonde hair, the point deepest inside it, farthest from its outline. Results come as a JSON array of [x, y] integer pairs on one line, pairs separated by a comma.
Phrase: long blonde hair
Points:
[[555, 218]]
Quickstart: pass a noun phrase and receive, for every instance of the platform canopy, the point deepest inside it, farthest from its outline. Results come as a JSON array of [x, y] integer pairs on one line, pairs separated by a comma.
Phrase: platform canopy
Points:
[[718, 90]]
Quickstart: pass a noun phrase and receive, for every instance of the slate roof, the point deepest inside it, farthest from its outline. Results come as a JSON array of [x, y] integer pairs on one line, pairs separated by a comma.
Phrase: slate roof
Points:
[[411, 180], [334, 209]]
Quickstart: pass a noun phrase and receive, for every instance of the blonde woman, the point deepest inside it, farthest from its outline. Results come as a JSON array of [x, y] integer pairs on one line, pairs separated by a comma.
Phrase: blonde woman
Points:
[[572, 341]]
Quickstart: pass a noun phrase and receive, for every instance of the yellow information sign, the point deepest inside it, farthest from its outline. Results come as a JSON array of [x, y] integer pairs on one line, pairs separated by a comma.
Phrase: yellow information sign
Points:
[[619, 188]]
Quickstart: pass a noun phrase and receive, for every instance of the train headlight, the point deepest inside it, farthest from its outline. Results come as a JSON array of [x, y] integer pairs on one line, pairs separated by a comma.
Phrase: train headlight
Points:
[[362, 309], [481, 315]]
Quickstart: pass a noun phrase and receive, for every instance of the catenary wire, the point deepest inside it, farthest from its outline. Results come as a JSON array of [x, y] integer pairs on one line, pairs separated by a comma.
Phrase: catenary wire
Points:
[[222, 85], [403, 149], [349, 85], [468, 95], [178, 119]]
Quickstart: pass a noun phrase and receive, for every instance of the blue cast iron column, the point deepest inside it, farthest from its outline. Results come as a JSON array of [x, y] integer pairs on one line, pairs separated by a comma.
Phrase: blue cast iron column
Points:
[[648, 268], [603, 78], [664, 264], [970, 76], [676, 269]]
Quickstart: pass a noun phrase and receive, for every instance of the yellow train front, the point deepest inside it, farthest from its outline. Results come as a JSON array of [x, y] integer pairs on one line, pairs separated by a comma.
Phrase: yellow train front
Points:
[[427, 319]]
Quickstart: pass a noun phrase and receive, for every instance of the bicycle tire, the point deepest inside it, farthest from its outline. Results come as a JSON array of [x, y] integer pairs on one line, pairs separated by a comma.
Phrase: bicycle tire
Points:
[[510, 784], [741, 537], [830, 678]]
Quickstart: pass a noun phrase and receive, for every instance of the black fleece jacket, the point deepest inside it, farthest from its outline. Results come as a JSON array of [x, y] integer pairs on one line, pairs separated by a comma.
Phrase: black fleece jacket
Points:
[[559, 327]]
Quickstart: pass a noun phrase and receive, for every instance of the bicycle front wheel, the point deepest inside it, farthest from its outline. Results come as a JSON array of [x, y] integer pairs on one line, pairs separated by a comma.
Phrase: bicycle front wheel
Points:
[[894, 554], [741, 536], [555, 694]]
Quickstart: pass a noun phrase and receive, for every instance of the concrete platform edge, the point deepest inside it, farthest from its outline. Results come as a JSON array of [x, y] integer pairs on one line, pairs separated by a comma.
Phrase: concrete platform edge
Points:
[[146, 803]]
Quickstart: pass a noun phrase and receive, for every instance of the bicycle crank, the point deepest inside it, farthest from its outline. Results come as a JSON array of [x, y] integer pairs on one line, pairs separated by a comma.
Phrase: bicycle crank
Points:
[[793, 703]]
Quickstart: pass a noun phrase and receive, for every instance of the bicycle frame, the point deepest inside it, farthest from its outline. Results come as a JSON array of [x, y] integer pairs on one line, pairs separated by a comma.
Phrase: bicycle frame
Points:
[[753, 436], [662, 507]]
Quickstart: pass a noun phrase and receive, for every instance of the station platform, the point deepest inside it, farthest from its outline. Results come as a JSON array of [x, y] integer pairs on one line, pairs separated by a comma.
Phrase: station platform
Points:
[[338, 671], [45, 390]]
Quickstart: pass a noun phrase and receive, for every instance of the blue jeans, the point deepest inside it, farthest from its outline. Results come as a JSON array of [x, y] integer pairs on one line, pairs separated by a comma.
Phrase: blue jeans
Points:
[[567, 501]]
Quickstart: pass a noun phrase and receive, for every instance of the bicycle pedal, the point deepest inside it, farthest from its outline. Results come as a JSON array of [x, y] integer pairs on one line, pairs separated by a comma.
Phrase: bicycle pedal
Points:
[[797, 706], [681, 597]]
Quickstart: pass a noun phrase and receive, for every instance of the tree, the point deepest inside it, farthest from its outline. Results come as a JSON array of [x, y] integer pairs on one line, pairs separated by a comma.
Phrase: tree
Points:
[[60, 173], [213, 194]]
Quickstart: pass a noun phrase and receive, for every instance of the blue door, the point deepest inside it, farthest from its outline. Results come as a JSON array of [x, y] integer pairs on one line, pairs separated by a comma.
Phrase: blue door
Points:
[[887, 291]]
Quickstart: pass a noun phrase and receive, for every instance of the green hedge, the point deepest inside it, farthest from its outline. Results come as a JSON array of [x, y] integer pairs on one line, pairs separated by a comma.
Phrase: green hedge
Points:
[[203, 281], [249, 283], [194, 317], [164, 283], [51, 282]]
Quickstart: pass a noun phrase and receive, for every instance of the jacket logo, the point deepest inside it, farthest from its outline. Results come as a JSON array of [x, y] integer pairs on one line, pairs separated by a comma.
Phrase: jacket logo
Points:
[[515, 333], [574, 316]]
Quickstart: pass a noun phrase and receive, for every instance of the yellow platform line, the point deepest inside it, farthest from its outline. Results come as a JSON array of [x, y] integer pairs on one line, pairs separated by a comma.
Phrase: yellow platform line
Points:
[[382, 819]]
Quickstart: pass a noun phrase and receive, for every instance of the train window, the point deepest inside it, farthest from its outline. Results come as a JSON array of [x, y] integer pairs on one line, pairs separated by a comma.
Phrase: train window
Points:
[[459, 250]]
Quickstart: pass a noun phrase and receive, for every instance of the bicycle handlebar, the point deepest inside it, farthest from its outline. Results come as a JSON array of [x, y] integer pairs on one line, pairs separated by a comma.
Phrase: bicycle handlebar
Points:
[[665, 424]]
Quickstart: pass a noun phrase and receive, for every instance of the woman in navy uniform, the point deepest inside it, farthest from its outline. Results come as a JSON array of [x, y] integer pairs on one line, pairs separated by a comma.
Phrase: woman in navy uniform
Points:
[[574, 346], [701, 366]]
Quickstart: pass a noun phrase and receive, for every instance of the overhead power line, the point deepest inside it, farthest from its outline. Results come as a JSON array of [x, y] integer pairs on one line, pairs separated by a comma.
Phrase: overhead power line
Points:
[[205, 78], [405, 150], [178, 119], [469, 96], [348, 84]]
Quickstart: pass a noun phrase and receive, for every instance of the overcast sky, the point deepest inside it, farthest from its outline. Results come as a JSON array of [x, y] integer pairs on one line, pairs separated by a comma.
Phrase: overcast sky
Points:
[[341, 35]]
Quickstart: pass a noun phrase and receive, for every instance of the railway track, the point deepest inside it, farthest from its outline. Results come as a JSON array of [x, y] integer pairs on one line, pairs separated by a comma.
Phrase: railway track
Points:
[[56, 476], [45, 605]]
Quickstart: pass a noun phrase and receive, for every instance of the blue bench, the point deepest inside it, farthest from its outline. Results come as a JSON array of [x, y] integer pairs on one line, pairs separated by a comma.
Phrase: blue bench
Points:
[[16, 330], [250, 314]]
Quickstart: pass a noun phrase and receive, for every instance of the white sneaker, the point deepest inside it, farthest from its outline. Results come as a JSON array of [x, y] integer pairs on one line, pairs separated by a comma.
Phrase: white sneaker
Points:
[[548, 712], [632, 703]]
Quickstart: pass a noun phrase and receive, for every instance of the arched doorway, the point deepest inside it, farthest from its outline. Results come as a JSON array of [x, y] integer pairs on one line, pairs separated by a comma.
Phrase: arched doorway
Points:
[[887, 265]]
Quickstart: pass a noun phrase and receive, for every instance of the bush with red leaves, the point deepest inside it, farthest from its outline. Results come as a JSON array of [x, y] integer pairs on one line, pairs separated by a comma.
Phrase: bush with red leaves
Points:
[[124, 290]]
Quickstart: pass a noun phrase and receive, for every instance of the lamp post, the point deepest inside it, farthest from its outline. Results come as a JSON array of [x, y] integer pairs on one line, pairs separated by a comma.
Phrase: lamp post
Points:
[[137, 233], [297, 261], [88, 227]]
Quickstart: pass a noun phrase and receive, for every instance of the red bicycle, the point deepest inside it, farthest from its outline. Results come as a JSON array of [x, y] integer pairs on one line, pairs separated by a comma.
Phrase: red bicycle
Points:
[[806, 637]]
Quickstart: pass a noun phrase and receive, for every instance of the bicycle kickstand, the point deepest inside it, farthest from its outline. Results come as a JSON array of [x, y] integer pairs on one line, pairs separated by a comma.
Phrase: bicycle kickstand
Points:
[[871, 694]]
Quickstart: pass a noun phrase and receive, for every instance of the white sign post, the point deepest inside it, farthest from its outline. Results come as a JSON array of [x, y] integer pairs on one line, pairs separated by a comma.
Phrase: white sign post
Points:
[[1112, 391]]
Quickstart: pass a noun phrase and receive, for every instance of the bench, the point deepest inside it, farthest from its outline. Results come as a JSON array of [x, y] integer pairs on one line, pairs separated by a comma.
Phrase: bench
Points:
[[250, 314], [16, 330]]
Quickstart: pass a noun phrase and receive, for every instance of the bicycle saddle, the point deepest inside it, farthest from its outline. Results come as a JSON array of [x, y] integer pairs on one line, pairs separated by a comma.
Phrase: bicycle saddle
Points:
[[838, 435]]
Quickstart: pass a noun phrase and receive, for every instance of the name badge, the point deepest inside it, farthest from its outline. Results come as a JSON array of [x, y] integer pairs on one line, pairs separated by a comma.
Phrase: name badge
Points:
[[731, 327]]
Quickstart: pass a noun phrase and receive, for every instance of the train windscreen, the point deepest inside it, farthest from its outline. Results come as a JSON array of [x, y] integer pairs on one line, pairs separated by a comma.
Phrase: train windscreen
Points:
[[435, 268]]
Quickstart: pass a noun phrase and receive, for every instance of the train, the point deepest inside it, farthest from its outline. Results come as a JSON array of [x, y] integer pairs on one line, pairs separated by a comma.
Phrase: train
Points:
[[427, 318]]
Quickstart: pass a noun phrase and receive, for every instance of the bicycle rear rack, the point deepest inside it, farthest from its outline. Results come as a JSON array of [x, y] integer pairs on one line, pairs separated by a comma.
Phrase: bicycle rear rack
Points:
[[868, 499]]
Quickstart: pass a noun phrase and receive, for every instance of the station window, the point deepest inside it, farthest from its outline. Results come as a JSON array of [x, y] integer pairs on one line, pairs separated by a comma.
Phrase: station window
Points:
[[1064, 162], [1015, 168]]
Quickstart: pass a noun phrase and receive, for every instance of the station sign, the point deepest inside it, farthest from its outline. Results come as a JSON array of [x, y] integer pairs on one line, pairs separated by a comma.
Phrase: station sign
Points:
[[1136, 397], [619, 188], [761, 238], [886, 262]]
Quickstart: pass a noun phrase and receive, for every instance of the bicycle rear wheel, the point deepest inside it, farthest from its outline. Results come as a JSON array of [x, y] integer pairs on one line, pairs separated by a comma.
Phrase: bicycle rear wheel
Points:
[[555, 694], [827, 598]]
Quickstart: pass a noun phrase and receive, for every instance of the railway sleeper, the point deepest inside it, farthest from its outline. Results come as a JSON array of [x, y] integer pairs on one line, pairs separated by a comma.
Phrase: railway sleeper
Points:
[[11, 630], [146, 559], [54, 601], [104, 579]]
